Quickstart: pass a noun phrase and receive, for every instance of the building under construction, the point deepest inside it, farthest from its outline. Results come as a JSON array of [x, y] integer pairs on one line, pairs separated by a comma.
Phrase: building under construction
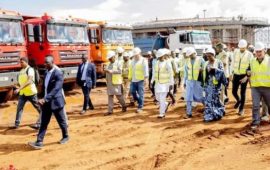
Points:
[[226, 30]]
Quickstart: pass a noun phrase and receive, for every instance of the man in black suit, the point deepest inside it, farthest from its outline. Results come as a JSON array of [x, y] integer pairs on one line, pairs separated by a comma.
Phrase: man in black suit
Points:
[[86, 79], [52, 103]]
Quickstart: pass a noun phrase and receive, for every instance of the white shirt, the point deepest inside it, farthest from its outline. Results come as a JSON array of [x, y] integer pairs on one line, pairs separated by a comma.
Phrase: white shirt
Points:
[[84, 69], [47, 79]]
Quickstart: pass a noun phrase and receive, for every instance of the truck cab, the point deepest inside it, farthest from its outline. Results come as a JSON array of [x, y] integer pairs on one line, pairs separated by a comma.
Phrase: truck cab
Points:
[[104, 37], [64, 39], [200, 40], [12, 48]]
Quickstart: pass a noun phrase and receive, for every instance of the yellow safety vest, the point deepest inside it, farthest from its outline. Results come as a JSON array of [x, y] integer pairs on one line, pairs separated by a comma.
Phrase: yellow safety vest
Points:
[[126, 66], [215, 82], [116, 78], [194, 70], [29, 90], [241, 62], [138, 69], [162, 74], [260, 73]]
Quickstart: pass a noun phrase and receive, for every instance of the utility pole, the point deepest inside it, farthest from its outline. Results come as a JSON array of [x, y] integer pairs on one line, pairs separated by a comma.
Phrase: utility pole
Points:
[[204, 11]]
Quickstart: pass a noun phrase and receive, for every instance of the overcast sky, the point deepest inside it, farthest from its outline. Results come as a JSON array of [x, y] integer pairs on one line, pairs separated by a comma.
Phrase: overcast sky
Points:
[[139, 10]]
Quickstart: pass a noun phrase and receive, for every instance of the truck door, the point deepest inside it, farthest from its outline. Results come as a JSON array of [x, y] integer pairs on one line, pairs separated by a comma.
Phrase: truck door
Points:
[[95, 44], [35, 45]]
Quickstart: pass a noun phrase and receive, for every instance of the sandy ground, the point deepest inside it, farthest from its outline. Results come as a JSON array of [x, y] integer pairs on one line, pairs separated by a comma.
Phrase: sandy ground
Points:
[[132, 141]]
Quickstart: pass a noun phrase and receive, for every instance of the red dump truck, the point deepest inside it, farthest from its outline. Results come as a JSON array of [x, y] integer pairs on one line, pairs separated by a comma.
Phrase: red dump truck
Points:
[[12, 48], [64, 39]]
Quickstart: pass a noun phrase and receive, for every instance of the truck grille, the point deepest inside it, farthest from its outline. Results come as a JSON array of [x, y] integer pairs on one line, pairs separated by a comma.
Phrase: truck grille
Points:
[[199, 52], [9, 58], [72, 56]]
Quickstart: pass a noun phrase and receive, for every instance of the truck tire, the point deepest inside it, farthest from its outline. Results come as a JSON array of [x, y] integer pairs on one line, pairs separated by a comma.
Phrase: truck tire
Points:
[[6, 96], [69, 86]]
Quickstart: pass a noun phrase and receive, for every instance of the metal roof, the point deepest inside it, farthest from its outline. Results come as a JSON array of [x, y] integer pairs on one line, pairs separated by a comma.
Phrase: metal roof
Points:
[[259, 22]]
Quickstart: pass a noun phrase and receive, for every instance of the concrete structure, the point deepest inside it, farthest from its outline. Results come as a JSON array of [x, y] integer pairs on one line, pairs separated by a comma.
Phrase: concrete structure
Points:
[[226, 30], [263, 35]]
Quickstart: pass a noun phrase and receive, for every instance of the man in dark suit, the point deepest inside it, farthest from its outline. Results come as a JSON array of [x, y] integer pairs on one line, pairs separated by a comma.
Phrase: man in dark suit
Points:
[[86, 79], [52, 103]]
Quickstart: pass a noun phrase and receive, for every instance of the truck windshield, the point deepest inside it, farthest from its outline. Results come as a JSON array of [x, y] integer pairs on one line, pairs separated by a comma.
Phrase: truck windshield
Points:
[[11, 32], [57, 33], [117, 36], [200, 38]]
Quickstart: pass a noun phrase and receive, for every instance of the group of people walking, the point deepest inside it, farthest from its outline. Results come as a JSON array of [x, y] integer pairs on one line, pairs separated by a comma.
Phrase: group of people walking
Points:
[[201, 79]]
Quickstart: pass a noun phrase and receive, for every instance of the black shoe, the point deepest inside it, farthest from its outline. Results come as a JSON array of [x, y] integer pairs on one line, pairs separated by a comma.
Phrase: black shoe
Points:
[[226, 101], [167, 107], [64, 140], [36, 145], [161, 117], [182, 98], [107, 114], [237, 104], [187, 116], [91, 108], [35, 126], [124, 109], [14, 127]]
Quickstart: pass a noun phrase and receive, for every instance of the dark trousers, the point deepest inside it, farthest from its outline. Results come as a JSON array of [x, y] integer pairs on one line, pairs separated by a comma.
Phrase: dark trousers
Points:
[[21, 103], [226, 88], [236, 84], [45, 120], [87, 100], [153, 88], [170, 94]]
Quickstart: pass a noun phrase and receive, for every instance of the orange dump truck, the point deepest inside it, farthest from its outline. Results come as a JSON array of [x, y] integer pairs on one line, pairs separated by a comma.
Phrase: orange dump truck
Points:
[[12, 48], [104, 37]]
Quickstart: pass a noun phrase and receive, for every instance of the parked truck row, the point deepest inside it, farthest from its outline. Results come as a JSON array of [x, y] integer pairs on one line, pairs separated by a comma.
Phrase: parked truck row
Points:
[[67, 40]]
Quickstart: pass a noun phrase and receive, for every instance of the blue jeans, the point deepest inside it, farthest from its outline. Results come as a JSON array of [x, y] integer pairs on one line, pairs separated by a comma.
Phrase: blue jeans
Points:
[[21, 102], [257, 94], [137, 91]]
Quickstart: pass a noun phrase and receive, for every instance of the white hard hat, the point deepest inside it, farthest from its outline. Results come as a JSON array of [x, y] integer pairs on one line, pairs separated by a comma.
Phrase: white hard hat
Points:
[[120, 50], [110, 54], [177, 51], [190, 51], [130, 54], [161, 52], [136, 51], [167, 51], [185, 50], [251, 46], [210, 51], [125, 54], [149, 52], [225, 46], [242, 43], [259, 46]]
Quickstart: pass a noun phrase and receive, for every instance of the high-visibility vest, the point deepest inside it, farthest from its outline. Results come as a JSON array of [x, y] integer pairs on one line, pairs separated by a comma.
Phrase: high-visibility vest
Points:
[[241, 62], [126, 66], [162, 74], [194, 70], [116, 78], [215, 82], [137, 69], [260, 73], [29, 90]]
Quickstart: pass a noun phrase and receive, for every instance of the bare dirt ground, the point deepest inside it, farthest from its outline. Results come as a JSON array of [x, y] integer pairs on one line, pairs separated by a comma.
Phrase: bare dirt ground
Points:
[[132, 141]]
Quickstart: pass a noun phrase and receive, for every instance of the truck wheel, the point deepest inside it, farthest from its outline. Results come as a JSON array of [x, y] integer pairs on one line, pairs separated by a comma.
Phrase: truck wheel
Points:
[[5, 96], [69, 86]]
